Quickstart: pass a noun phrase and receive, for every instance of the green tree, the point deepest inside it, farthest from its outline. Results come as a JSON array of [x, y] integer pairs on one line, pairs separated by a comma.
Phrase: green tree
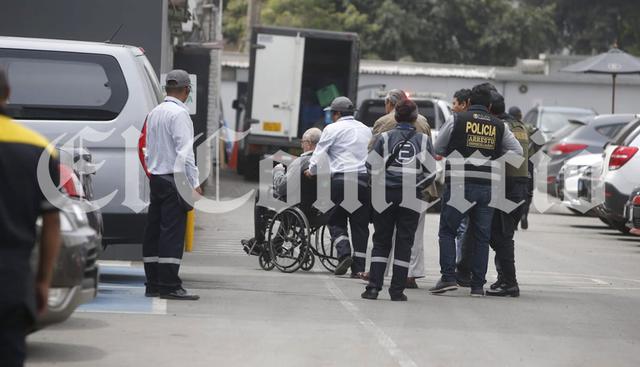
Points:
[[234, 22], [457, 31], [592, 26]]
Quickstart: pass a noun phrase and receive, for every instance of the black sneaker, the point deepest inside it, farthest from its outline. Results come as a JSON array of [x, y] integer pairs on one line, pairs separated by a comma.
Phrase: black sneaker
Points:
[[505, 291], [370, 293], [443, 286], [399, 297], [477, 292], [498, 284], [463, 280], [343, 265]]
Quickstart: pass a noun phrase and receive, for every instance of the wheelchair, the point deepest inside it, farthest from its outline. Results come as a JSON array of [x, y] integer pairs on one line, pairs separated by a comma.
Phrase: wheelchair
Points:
[[295, 238]]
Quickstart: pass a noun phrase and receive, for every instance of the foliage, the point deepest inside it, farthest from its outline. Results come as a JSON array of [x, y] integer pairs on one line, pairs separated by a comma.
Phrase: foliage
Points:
[[456, 31]]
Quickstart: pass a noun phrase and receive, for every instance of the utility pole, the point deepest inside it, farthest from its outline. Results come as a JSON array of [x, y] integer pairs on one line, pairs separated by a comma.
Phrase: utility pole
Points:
[[253, 19]]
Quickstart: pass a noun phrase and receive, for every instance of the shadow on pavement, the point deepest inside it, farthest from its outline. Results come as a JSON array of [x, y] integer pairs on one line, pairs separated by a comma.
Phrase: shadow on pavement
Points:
[[44, 352], [80, 323]]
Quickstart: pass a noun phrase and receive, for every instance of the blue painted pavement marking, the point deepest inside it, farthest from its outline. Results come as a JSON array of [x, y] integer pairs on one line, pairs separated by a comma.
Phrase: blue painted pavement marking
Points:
[[121, 290]]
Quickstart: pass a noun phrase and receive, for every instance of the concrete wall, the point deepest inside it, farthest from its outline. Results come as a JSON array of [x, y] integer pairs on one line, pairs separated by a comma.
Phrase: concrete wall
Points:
[[144, 23]]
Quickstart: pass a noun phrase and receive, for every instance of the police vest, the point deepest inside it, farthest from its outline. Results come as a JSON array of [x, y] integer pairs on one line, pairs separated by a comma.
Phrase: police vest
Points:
[[477, 131], [521, 134]]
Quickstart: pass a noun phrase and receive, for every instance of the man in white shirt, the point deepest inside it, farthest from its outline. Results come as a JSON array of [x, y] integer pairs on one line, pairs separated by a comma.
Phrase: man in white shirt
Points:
[[169, 139], [344, 143]]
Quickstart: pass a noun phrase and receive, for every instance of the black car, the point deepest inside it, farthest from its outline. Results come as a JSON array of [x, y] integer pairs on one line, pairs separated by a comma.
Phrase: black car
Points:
[[588, 135], [632, 211]]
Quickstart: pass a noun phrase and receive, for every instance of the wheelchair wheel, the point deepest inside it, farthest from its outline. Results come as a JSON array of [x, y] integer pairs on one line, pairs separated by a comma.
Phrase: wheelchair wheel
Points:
[[265, 261], [288, 240], [326, 252], [309, 262]]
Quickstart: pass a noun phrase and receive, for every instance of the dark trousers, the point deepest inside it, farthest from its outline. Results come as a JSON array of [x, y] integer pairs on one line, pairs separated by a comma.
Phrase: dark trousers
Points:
[[480, 218], [164, 236], [14, 326], [502, 231], [261, 216], [529, 192], [405, 222], [358, 221], [503, 228]]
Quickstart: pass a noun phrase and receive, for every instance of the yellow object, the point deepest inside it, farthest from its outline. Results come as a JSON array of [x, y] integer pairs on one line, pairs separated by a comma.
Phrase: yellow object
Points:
[[188, 233], [271, 126]]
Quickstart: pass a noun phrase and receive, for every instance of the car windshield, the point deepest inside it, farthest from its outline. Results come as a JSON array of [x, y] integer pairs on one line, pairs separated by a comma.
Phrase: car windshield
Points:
[[552, 121]]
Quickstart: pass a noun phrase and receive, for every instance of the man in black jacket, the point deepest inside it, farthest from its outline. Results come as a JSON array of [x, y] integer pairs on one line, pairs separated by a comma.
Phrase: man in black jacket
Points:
[[405, 152], [472, 143]]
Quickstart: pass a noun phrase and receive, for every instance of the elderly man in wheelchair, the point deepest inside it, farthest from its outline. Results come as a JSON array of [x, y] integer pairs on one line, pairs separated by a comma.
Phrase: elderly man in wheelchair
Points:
[[291, 238]]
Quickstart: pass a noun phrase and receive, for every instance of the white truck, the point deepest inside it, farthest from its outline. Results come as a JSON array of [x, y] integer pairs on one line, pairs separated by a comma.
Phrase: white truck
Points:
[[293, 75]]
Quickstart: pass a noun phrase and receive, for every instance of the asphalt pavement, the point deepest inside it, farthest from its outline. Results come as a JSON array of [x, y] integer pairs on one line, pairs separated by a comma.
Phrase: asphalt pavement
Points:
[[579, 306]]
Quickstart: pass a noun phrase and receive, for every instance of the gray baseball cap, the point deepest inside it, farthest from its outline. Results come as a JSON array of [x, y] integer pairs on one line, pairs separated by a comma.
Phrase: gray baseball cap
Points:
[[179, 78], [341, 104]]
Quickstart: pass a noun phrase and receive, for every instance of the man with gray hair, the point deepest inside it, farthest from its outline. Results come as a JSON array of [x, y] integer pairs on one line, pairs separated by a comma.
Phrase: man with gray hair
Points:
[[281, 175], [388, 121]]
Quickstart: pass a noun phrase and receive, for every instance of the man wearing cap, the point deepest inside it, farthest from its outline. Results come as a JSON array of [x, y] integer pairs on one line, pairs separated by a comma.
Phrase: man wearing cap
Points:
[[387, 123], [169, 139], [344, 144]]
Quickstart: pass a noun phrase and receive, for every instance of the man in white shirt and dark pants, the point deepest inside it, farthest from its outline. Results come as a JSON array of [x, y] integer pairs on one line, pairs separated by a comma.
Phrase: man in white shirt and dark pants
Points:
[[169, 139], [344, 143]]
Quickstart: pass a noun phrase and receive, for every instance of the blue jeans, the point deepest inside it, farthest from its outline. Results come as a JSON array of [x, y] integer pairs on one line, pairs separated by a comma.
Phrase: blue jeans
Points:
[[480, 218]]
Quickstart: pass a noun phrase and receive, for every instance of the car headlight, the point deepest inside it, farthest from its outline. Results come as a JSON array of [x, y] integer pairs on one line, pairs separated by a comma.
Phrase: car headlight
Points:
[[57, 296]]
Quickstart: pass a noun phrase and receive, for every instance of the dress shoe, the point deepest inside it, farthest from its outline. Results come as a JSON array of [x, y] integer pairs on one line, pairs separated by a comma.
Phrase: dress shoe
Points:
[[343, 265], [411, 283], [370, 293], [399, 297], [251, 247], [443, 286], [505, 291], [180, 295]]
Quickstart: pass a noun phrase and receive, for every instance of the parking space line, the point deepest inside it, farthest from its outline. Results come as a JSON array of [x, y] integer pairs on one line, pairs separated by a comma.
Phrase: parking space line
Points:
[[383, 339]]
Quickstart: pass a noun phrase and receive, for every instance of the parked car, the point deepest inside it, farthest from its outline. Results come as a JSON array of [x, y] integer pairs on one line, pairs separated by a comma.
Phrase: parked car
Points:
[[435, 109], [549, 119], [575, 183], [632, 211], [75, 273], [62, 87], [580, 136], [620, 173]]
